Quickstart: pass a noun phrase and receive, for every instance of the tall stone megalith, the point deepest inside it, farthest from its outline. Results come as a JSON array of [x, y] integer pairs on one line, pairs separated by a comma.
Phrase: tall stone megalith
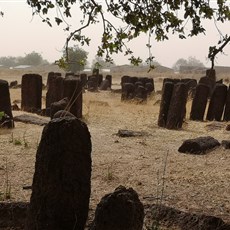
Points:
[[61, 183], [31, 92]]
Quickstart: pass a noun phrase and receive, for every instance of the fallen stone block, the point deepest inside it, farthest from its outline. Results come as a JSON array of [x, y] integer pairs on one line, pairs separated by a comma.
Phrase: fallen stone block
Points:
[[198, 145]]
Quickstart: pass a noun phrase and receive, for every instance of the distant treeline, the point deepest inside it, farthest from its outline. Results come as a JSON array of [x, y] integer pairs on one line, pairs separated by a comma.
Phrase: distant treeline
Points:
[[29, 59]]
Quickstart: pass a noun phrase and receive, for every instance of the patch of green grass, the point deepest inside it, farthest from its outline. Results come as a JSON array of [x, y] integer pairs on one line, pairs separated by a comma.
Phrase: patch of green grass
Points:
[[17, 142]]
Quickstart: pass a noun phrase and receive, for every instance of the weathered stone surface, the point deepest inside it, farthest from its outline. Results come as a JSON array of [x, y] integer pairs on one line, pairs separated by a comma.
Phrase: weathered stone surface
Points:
[[31, 119], [227, 106], [172, 80], [5, 105], [133, 80], [199, 102], [59, 105], [100, 79], [109, 78], [63, 113], [13, 215], [92, 83], [217, 102], [31, 92], [177, 219], [209, 80], [141, 94], [54, 89], [198, 145], [130, 133], [125, 79], [165, 103], [177, 107], [128, 91], [83, 78], [120, 210], [51, 76], [72, 88], [61, 183], [149, 87], [211, 73]]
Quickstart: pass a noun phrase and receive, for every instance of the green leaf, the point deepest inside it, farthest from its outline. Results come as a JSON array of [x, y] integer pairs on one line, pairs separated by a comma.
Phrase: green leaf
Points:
[[58, 20]]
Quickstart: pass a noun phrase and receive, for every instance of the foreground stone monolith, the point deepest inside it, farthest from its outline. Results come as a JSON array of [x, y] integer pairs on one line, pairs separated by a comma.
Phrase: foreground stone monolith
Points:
[[5, 105], [31, 92], [120, 210], [61, 183]]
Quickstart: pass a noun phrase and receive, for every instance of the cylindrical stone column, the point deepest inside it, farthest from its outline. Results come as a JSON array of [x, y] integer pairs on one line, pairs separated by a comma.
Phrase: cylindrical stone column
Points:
[[72, 89], [109, 78], [125, 79], [227, 107], [177, 108], [50, 77], [217, 102], [31, 92], [55, 90], [165, 102], [83, 78], [199, 102], [5, 103]]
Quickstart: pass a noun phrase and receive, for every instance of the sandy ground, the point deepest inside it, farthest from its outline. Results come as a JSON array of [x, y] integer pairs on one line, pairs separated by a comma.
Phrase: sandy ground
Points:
[[148, 164]]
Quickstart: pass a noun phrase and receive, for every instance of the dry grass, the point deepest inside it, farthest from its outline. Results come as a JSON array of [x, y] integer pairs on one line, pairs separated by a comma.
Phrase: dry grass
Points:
[[193, 183]]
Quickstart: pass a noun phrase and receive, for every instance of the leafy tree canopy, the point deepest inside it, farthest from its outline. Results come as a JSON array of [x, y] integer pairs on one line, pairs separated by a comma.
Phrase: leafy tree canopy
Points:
[[191, 62], [32, 58], [77, 59], [157, 18]]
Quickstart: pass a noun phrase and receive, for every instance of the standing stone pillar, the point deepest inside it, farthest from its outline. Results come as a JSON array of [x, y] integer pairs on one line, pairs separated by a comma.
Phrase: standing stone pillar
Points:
[[92, 83], [227, 106], [177, 108], [61, 183], [5, 103], [165, 102], [211, 73], [100, 79], [217, 102], [72, 89], [83, 78], [55, 90], [31, 92], [124, 79], [50, 77], [199, 102], [109, 78]]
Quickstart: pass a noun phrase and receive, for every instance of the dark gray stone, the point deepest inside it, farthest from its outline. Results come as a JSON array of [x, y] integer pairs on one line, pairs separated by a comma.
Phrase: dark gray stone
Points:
[[62, 179], [120, 210], [198, 145]]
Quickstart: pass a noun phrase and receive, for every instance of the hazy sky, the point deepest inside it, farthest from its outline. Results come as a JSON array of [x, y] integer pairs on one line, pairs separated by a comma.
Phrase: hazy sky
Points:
[[21, 34]]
